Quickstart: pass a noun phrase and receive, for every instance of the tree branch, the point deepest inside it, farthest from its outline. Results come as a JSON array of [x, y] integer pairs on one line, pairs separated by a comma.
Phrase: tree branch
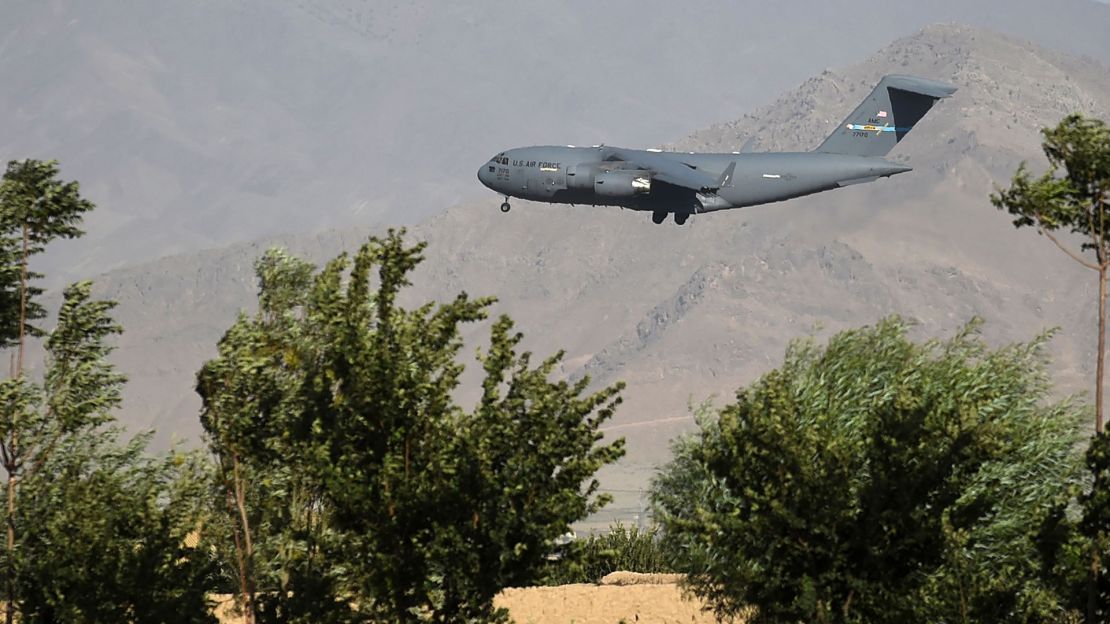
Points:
[[1078, 258]]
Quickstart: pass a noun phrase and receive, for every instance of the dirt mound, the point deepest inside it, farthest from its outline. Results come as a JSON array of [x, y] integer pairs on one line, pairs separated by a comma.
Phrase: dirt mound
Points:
[[639, 578], [651, 603], [623, 597]]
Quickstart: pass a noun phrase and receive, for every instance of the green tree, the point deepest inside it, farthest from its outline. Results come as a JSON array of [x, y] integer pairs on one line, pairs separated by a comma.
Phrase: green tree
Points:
[[35, 208], [879, 480], [277, 527], [424, 510], [685, 489], [1072, 196], [526, 459]]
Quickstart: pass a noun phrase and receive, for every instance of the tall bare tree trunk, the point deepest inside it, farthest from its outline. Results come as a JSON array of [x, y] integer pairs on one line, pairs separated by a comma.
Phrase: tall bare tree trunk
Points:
[[13, 461], [246, 561], [236, 532], [9, 585], [1100, 367], [1092, 584], [22, 303]]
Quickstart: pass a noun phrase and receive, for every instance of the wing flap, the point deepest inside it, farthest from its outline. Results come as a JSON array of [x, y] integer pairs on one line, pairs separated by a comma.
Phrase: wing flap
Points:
[[668, 170]]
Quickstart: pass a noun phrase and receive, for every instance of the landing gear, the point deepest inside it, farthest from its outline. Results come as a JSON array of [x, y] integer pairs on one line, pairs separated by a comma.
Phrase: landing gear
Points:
[[659, 216], [505, 207]]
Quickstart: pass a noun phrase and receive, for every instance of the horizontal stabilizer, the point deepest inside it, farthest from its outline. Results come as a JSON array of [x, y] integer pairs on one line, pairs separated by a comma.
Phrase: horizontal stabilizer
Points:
[[921, 86], [844, 183]]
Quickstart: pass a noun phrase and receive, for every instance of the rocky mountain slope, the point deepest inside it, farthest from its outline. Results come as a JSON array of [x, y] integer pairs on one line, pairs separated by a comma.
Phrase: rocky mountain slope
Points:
[[685, 313]]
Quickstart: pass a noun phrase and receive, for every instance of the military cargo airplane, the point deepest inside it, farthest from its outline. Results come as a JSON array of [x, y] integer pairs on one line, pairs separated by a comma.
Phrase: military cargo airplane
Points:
[[686, 183]]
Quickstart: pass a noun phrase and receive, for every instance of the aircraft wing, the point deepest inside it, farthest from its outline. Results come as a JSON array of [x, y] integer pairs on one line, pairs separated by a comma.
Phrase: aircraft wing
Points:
[[669, 170]]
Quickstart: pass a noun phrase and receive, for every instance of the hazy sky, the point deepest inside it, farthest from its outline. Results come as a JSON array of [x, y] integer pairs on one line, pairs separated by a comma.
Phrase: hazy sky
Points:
[[196, 124]]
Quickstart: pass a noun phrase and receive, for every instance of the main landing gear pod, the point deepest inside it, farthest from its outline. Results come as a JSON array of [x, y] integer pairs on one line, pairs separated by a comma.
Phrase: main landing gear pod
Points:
[[659, 216]]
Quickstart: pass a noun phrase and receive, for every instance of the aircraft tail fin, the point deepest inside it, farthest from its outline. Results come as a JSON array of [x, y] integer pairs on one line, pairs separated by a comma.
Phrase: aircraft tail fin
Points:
[[887, 115]]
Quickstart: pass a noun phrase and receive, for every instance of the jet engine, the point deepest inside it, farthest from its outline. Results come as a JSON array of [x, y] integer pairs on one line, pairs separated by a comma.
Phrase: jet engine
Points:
[[581, 177], [622, 183]]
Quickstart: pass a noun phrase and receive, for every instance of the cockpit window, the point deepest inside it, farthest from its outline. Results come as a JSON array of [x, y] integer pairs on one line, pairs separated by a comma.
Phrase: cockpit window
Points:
[[500, 159]]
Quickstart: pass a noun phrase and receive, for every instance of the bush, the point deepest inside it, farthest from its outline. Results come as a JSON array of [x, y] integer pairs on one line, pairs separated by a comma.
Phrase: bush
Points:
[[628, 549], [1095, 528], [880, 480]]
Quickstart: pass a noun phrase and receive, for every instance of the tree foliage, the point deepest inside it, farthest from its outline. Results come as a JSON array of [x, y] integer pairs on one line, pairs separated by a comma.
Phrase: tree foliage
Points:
[[420, 510], [36, 207], [95, 529], [1095, 527], [685, 488], [107, 536], [875, 479], [620, 549], [273, 511], [102, 527], [1071, 195]]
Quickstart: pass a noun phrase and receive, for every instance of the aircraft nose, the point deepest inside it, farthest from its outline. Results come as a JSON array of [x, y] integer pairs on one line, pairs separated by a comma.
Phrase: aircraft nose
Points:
[[484, 175]]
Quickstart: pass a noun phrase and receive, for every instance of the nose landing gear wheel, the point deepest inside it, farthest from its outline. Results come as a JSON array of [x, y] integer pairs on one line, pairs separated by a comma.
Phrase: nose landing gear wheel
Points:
[[658, 217], [505, 207], [681, 217]]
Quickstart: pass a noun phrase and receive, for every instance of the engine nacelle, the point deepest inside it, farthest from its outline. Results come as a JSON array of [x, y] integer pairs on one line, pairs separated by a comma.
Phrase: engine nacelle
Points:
[[622, 183], [581, 177]]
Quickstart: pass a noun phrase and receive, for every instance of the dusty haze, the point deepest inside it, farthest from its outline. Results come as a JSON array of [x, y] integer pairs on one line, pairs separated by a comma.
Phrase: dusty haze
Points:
[[194, 124], [199, 123]]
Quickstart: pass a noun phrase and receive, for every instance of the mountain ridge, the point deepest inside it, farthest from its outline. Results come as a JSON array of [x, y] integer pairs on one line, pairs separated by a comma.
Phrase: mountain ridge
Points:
[[685, 313]]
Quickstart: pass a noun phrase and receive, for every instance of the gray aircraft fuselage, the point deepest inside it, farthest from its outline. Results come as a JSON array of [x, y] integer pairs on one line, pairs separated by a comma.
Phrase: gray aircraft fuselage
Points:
[[686, 183], [551, 174]]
